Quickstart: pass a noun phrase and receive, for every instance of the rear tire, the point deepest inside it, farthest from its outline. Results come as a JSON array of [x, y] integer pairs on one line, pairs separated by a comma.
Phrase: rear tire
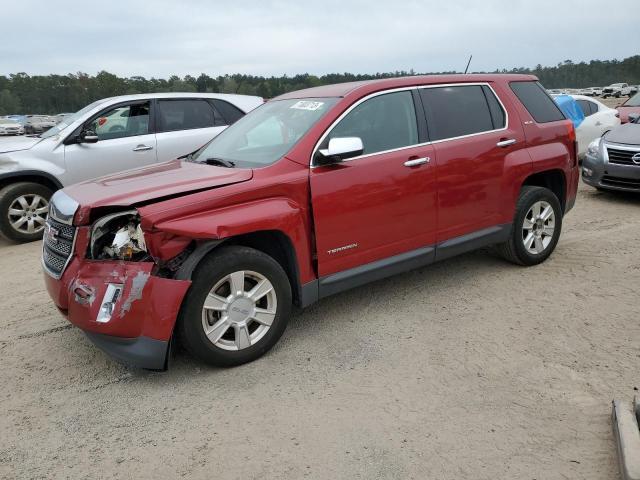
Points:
[[221, 322], [536, 227], [23, 210]]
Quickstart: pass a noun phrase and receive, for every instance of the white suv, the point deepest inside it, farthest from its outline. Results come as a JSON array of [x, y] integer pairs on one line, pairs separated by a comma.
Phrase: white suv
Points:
[[107, 136]]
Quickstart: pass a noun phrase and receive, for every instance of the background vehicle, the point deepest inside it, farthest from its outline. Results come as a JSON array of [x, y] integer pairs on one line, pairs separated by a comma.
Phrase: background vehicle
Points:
[[61, 116], [598, 119], [313, 193], [630, 106], [17, 118], [10, 127], [616, 90], [613, 160], [37, 124], [107, 136]]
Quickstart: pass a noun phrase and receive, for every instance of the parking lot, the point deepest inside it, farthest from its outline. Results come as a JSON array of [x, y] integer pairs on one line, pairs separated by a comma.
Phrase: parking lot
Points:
[[470, 368]]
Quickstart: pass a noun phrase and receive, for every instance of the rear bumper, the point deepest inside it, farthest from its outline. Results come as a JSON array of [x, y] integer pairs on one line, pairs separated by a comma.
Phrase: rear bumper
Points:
[[143, 316]]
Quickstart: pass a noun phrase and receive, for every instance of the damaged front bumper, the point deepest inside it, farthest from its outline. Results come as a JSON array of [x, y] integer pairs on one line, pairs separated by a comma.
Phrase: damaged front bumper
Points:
[[124, 309]]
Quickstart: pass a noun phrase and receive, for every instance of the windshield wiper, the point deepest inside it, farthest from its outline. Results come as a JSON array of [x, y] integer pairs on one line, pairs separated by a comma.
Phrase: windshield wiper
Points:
[[221, 162]]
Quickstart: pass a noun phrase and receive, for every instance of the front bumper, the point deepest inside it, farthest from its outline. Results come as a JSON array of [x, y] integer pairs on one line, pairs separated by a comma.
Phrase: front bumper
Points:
[[142, 352], [143, 316], [609, 176]]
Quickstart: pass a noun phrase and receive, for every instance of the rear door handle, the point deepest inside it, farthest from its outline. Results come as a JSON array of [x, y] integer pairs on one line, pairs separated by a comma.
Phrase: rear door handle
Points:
[[142, 148], [416, 161], [506, 143]]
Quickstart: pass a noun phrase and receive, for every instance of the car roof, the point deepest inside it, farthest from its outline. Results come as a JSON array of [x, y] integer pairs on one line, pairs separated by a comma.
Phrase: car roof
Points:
[[369, 86], [584, 97], [244, 102]]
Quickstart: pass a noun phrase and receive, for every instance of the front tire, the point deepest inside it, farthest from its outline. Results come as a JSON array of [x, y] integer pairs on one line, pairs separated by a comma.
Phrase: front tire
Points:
[[24, 207], [536, 227], [237, 307]]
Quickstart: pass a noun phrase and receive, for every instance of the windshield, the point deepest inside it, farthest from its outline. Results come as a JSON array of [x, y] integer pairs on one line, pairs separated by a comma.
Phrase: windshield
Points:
[[267, 133], [633, 101], [66, 121]]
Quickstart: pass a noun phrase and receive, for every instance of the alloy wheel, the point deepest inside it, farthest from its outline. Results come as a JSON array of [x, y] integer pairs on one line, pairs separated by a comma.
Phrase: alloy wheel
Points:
[[538, 227], [28, 213], [239, 310]]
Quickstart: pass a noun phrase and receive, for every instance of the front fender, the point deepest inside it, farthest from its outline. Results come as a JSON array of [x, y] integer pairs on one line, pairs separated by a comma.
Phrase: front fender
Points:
[[279, 214]]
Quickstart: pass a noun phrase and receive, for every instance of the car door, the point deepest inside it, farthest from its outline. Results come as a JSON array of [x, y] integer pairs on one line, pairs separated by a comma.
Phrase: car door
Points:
[[185, 125], [381, 203], [472, 138], [125, 140]]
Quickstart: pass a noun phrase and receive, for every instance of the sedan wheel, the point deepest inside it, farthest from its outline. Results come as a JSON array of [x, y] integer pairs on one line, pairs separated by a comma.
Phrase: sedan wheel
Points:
[[24, 207], [28, 213]]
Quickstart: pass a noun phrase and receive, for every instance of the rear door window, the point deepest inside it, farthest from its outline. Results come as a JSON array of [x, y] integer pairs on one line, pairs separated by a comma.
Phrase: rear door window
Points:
[[184, 114], [498, 114], [537, 102], [456, 111]]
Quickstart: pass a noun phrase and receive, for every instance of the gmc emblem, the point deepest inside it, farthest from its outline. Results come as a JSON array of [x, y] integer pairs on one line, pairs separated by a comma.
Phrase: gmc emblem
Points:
[[52, 234]]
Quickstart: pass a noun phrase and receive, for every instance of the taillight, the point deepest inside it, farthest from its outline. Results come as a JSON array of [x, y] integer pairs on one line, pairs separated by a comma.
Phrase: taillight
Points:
[[574, 143], [572, 131]]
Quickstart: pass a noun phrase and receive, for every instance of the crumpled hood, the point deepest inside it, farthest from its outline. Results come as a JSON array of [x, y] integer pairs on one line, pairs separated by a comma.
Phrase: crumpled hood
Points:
[[132, 187], [13, 144], [629, 133]]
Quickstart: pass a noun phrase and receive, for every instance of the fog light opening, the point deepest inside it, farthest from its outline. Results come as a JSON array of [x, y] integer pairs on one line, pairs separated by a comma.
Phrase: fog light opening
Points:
[[587, 172], [109, 302]]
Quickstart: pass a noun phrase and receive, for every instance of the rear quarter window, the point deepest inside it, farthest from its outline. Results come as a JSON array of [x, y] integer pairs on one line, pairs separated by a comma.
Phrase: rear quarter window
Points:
[[231, 113], [537, 102]]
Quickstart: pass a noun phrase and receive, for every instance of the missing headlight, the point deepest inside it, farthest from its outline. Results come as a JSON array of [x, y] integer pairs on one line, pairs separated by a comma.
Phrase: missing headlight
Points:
[[118, 237]]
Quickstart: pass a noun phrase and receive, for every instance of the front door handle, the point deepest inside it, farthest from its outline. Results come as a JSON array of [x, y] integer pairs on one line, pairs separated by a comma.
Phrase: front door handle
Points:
[[142, 148], [416, 161], [506, 143]]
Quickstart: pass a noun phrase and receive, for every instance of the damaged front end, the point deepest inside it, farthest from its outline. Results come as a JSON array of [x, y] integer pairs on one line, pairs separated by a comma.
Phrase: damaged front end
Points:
[[115, 289]]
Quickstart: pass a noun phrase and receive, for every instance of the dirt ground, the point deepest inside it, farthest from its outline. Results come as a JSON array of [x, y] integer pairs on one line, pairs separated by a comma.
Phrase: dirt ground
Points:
[[471, 368]]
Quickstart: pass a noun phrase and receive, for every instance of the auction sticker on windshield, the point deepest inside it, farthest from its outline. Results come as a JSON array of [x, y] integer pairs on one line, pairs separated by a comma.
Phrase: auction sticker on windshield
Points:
[[307, 105]]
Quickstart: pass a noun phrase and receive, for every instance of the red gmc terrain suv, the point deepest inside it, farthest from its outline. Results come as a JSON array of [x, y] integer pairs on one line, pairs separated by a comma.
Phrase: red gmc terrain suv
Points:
[[313, 193]]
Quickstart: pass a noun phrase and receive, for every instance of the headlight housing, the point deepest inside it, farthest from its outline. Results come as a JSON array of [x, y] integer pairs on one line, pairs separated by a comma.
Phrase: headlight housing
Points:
[[118, 237], [594, 147]]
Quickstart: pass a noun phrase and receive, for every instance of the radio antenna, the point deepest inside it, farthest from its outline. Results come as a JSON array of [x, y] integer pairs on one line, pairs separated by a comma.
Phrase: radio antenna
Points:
[[468, 63]]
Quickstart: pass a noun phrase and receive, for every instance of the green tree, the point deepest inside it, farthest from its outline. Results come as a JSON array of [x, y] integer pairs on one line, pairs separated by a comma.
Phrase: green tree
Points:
[[9, 103]]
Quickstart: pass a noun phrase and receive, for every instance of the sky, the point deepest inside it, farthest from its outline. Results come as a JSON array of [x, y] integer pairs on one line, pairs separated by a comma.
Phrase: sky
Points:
[[159, 38]]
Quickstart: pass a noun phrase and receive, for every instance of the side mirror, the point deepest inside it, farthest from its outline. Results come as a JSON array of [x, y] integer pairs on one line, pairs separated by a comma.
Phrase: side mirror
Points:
[[339, 149], [634, 118], [88, 136]]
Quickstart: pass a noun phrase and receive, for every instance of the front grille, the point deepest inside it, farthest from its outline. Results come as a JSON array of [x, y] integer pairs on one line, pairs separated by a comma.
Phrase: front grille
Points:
[[622, 157], [621, 182], [58, 246]]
